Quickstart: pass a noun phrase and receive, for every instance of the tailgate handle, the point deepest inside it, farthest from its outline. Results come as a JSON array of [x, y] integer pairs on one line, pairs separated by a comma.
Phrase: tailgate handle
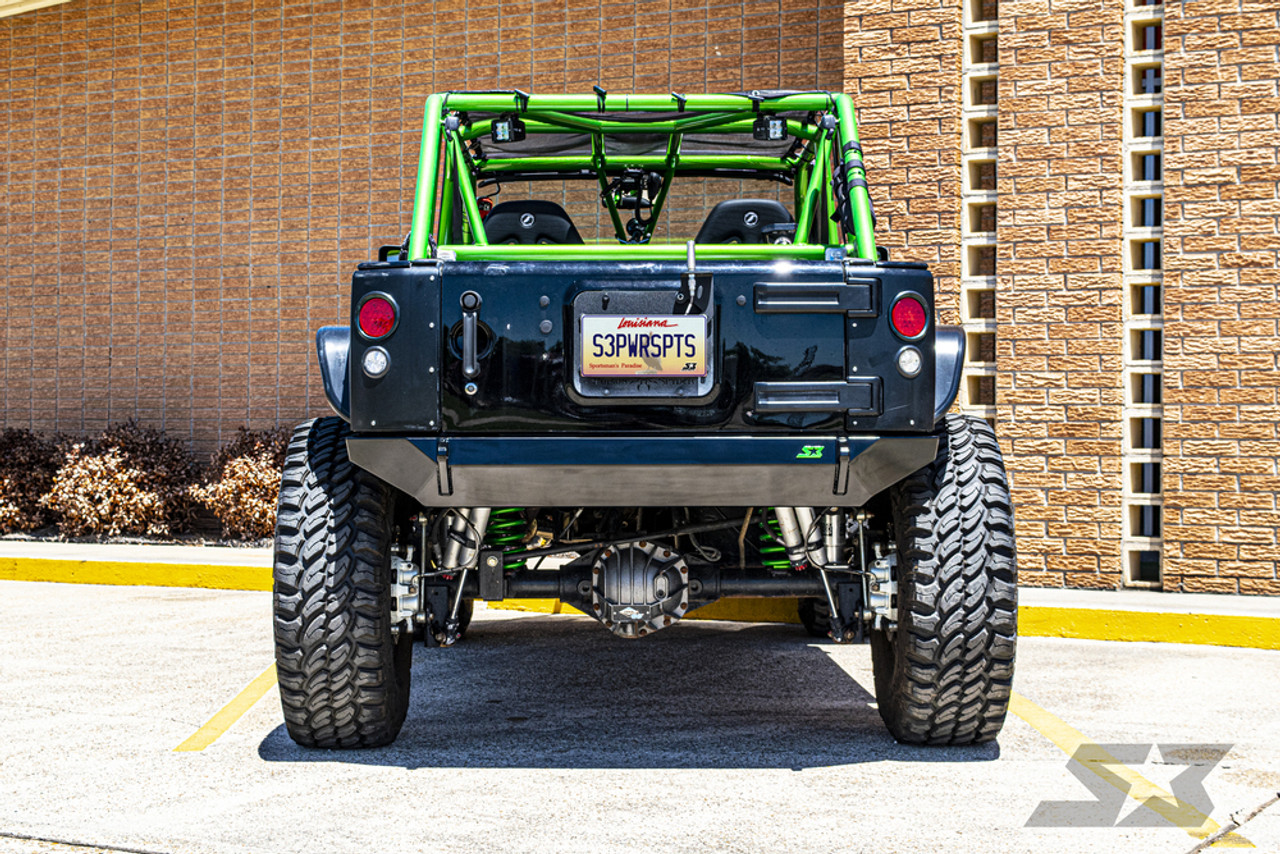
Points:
[[470, 311], [856, 299], [854, 397]]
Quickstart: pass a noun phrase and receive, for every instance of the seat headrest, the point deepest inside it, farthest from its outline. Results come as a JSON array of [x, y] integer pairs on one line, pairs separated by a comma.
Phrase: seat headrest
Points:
[[530, 221], [745, 221]]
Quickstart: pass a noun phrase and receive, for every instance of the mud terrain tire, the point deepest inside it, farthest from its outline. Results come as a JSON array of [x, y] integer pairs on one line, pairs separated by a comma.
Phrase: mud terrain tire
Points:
[[344, 678], [944, 675]]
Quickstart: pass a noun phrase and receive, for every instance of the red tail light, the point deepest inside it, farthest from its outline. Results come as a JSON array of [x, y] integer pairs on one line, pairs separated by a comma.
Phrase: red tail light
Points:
[[909, 317], [377, 317]]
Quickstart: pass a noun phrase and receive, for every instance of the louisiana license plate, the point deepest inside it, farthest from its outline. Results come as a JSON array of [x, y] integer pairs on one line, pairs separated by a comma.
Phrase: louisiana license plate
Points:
[[644, 345]]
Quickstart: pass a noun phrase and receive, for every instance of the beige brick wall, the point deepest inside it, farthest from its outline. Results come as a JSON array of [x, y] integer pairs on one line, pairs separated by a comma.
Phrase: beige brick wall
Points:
[[1221, 236], [188, 187], [1059, 285], [1060, 298], [902, 67]]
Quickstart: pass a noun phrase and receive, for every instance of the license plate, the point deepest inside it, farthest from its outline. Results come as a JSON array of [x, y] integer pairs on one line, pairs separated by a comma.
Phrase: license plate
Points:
[[644, 345]]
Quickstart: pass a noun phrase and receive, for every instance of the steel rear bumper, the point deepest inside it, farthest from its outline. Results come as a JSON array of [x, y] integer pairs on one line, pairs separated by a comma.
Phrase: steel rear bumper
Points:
[[641, 471]]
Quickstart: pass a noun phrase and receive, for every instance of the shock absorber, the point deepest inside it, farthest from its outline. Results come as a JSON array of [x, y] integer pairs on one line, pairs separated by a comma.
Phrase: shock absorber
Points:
[[506, 532], [464, 537], [799, 532]]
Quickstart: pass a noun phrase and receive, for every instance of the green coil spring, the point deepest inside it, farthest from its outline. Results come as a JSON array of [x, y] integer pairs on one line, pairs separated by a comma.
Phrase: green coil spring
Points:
[[506, 532], [773, 554]]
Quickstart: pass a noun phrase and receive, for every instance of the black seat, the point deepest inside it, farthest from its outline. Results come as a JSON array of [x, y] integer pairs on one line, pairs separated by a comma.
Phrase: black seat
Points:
[[747, 221], [530, 221]]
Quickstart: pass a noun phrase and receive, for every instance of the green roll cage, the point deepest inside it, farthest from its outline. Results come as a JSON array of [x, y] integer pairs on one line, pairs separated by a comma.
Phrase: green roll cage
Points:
[[811, 169]]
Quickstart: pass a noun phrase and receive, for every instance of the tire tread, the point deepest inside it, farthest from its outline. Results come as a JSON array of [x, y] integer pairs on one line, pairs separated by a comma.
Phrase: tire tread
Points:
[[343, 677], [945, 678]]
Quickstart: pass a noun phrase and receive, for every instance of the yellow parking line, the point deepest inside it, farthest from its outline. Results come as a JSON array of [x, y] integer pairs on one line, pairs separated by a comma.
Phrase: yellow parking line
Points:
[[230, 713], [1071, 742]]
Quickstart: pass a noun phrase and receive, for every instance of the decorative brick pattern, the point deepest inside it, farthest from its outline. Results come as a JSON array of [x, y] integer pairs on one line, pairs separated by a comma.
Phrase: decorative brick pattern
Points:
[[1222, 245], [1059, 284], [188, 187], [1067, 278]]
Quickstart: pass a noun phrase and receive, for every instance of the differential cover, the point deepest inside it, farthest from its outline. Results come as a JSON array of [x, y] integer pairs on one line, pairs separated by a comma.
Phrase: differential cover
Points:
[[639, 588]]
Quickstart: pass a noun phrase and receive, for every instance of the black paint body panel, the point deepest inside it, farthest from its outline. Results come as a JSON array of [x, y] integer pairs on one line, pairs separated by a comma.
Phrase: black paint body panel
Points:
[[803, 403], [407, 397], [773, 322]]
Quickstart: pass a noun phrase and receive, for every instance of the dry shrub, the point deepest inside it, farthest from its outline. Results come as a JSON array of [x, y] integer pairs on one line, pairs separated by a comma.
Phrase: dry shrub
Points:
[[130, 480], [244, 483], [28, 462]]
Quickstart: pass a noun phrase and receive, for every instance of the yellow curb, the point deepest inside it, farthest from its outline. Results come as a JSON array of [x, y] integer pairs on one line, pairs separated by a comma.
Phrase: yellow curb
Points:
[[1085, 623], [1100, 624], [212, 576]]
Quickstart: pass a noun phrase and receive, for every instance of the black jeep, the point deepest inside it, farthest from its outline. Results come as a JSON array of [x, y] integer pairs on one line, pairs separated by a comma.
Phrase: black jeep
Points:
[[722, 390]]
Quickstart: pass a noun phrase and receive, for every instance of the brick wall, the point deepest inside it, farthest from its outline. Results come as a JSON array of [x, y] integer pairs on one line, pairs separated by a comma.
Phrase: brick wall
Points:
[[188, 188], [1059, 285], [902, 67], [1221, 304], [1061, 261]]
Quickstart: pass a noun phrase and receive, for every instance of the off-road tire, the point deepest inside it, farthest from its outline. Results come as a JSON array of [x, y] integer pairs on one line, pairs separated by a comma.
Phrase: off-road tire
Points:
[[344, 679], [944, 675]]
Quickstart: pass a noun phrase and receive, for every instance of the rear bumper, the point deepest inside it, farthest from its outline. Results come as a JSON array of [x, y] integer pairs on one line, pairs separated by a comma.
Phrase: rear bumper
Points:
[[641, 471]]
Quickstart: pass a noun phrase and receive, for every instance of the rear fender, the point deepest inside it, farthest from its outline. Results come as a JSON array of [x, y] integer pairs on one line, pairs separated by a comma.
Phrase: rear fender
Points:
[[333, 347], [948, 370]]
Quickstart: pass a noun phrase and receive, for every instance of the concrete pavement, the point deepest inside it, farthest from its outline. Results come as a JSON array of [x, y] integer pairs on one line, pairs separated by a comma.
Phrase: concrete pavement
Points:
[[545, 734]]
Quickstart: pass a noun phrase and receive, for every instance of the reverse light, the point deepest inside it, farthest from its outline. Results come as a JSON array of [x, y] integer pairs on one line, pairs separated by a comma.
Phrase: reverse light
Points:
[[909, 362], [375, 362], [377, 316], [908, 316]]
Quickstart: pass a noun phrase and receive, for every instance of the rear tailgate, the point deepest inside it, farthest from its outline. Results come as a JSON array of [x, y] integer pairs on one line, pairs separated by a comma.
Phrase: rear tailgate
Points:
[[563, 347]]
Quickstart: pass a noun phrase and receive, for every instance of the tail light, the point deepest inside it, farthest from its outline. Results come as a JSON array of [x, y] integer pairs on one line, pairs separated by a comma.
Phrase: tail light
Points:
[[908, 316], [377, 316]]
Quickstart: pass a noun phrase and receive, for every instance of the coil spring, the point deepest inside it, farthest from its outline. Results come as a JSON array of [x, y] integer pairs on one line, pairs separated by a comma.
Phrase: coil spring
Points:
[[506, 532], [771, 545]]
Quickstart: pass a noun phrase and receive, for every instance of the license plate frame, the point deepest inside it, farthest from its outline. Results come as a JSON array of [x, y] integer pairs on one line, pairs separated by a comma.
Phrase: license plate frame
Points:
[[643, 346], [659, 299]]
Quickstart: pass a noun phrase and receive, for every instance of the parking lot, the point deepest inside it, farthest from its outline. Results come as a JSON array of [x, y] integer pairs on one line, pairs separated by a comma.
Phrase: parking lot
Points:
[[545, 733]]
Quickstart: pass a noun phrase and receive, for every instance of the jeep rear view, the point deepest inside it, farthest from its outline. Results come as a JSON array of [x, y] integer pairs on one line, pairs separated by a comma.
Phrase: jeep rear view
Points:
[[639, 353]]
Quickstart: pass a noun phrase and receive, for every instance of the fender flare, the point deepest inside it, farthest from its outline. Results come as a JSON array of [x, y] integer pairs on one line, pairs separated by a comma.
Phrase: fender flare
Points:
[[333, 347], [948, 368]]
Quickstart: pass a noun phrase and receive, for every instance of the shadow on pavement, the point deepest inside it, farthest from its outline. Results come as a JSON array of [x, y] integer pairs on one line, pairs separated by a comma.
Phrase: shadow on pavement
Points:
[[557, 692]]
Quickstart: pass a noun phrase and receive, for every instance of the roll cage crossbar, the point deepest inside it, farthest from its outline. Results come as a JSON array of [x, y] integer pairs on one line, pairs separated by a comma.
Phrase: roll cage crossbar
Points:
[[823, 163]]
